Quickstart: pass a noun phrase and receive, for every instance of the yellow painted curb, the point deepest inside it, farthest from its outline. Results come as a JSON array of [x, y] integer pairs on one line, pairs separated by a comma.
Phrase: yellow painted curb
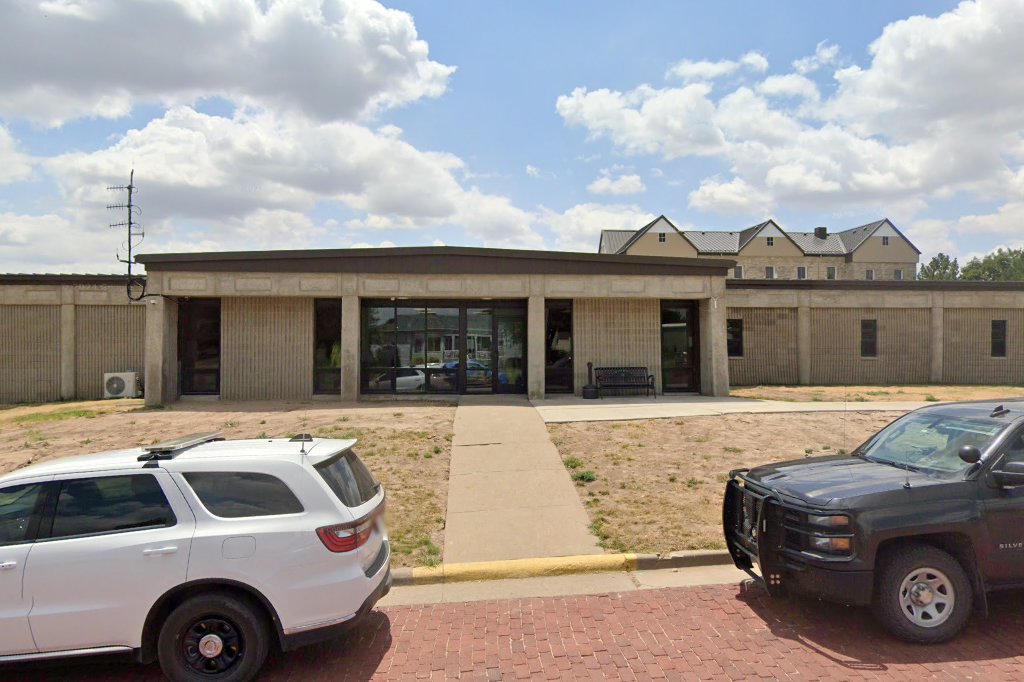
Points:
[[523, 568]]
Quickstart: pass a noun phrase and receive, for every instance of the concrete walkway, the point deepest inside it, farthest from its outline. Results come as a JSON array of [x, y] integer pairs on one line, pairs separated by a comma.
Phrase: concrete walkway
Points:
[[573, 409], [509, 495]]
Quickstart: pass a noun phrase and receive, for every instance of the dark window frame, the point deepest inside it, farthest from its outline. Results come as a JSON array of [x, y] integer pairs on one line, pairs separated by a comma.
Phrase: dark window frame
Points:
[[885, 241], [869, 338], [801, 272], [831, 272], [869, 275], [771, 241], [897, 275], [734, 337], [550, 369], [661, 238], [999, 341], [189, 310], [737, 272], [770, 273], [320, 386]]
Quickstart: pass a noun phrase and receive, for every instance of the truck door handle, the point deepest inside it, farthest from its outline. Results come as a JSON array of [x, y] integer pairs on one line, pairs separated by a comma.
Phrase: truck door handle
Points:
[[7, 565], [170, 549]]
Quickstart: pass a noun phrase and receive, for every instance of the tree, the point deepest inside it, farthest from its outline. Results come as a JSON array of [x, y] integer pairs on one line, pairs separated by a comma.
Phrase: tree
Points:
[[1002, 265], [940, 266]]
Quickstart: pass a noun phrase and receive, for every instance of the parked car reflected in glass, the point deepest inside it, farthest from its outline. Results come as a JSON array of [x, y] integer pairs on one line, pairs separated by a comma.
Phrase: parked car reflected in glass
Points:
[[477, 373], [403, 379]]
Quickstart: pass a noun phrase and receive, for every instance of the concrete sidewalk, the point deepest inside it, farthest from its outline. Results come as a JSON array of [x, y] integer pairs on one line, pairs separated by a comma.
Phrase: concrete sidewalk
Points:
[[509, 495], [573, 409]]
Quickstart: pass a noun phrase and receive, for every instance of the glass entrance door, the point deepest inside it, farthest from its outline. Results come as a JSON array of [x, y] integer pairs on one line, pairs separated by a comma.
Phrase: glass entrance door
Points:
[[477, 369], [510, 333], [679, 353]]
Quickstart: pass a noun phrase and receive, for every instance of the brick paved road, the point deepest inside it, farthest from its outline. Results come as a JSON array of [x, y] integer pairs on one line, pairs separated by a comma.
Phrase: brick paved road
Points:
[[719, 632]]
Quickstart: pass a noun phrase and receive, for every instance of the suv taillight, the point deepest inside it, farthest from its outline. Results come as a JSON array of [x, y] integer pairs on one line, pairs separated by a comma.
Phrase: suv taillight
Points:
[[345, 537]]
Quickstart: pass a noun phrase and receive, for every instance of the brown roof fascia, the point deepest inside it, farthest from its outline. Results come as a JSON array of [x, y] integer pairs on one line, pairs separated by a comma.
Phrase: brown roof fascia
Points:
[[439, 260], [52, 279], [875, 285]]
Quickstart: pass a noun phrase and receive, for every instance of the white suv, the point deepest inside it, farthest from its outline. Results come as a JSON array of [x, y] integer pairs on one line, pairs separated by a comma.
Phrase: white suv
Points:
[[199, 552]]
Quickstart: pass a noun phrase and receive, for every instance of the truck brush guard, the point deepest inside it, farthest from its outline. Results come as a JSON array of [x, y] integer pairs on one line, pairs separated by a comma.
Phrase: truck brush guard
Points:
[[762, 527]]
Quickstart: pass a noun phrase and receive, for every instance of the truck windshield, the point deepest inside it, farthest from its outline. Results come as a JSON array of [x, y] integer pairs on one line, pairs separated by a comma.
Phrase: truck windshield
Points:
[[930, 442]]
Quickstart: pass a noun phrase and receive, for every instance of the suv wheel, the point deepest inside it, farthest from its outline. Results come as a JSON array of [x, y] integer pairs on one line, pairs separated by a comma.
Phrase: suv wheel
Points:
[[213, 637], [923, 595]]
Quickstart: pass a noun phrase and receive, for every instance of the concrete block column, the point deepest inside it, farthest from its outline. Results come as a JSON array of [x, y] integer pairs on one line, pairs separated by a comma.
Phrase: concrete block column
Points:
[[350, 347], [937, 368], [535, 346], [803, 344], [714, 361], [67, 351], [161, 358]]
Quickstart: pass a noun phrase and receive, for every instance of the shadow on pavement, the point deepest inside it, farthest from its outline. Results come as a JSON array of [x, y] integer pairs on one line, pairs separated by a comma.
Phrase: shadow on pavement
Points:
[[850, 636], [353, 656]]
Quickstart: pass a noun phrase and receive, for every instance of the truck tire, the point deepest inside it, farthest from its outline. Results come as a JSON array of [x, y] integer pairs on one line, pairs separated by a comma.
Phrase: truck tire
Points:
[[213, 636], [922, 595]]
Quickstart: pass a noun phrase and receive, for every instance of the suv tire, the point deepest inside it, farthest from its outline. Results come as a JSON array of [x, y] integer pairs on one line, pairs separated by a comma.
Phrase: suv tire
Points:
[[922, 595], [213, 636]]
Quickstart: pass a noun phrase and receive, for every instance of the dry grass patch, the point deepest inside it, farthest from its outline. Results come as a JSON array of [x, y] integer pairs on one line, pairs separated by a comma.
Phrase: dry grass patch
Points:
[[407, 447], [658, 483], [878, 393]]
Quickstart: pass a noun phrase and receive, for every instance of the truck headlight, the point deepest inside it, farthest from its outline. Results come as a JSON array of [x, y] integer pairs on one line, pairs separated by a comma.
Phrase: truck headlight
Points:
[[829, 520]]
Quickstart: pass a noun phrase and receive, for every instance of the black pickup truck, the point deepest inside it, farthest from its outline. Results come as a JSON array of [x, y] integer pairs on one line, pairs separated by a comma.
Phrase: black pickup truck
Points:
[[921, 522]]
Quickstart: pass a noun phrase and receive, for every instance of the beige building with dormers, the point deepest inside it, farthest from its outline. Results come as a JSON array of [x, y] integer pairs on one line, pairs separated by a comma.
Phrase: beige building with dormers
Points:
[[876, 251]]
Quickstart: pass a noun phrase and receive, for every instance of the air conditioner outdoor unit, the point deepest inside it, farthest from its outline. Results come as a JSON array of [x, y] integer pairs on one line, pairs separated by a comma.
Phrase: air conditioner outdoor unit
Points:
[[121, 385]]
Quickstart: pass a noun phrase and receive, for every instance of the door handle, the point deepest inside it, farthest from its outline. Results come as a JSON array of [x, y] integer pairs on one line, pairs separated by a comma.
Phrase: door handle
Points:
[[170, 549], [7, 565]]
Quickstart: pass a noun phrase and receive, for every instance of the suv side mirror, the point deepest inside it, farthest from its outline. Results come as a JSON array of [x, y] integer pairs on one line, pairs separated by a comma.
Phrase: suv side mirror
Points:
[[1012, 474], [970, 454]]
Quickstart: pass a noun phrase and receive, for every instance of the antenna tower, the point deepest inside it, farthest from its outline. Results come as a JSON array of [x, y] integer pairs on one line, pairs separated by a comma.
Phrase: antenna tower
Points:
[[136, 286]]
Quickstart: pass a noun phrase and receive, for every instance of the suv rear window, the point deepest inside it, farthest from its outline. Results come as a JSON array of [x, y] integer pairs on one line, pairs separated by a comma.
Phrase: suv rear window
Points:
[[238, 494], [110, 504], [349, 478]]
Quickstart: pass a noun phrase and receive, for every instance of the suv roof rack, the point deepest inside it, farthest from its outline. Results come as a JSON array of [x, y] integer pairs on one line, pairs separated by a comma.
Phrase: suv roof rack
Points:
[[169, 448]]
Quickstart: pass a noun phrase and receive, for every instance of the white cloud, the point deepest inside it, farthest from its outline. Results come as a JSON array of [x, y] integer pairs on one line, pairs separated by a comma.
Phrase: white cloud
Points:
[[579, 228], [14, 165], [732, 197], [532, 171], [50, 243], [622, 185], [789, 85], [824, 55], [703, 70], [329, 59]]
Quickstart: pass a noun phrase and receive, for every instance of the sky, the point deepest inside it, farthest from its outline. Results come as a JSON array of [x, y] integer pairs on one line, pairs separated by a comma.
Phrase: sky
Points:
[[284, 124]]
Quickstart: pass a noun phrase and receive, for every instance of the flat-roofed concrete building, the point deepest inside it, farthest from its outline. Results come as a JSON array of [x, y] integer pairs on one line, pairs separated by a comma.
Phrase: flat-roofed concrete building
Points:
[[370, 323], [877, 251]]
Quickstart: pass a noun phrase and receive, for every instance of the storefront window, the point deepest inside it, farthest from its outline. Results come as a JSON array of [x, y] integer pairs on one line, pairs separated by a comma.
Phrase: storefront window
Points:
[[199, 345], [558, 365], [327, 346]]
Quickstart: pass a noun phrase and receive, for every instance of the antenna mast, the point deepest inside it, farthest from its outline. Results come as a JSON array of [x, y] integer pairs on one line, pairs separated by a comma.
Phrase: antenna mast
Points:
[[135, 237]]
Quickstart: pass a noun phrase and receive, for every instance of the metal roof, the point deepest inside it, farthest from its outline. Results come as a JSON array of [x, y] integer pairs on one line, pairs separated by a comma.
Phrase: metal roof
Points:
[[613, 240], [810, 244], [714, 241]]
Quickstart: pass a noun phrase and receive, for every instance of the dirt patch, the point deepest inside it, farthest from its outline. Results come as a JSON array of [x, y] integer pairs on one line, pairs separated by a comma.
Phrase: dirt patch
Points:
[[406, 445], [656, 485], [878, 393]]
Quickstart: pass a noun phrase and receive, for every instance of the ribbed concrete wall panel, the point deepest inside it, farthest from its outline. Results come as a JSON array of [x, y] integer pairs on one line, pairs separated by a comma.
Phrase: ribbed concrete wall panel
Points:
[[967, 346], [108, 338], [29, 353], [904, 341], [266, 348], [622, 332], [769, 347]]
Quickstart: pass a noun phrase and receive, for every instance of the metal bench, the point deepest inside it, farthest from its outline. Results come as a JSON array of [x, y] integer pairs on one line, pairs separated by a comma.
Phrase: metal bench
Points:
[[635, 378]]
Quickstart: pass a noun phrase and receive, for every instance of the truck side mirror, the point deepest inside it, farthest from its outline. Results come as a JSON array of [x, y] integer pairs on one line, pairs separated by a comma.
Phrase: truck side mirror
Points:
[[1011, 474], [970, 454]]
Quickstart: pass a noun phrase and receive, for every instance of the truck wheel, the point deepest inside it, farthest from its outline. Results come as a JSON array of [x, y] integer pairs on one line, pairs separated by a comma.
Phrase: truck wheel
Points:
[[923, 595], [213, 636]]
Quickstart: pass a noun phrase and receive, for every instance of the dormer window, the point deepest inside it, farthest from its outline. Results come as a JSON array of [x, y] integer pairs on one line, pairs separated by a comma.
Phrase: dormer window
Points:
[[885, 241], [771, 241], [661, 237]]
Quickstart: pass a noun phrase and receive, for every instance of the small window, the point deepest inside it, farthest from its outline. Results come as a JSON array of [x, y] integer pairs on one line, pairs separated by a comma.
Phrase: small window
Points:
[[737, 272], [661, 237], [830, 272], [238, 494], [327, 346], [349, 479], [769, 272], [869, 275], [801, 272], [897, 275], [999, 338], [110, 504], [18, 512], [885, 241], [869, 338], [734, 337], [771, 241]]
